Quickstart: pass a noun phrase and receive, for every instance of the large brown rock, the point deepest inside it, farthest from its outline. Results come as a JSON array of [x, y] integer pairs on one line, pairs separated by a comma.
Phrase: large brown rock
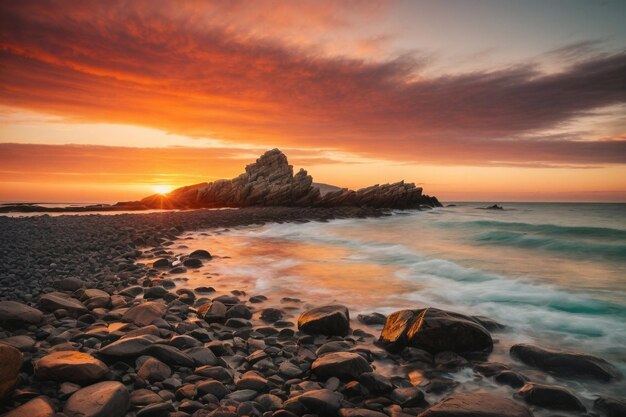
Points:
[[10, 364], [15, 313], [343, 365], [104, 399], [129, 347], [550, 396], [146, 313], [434, 331], [476, 405], [37, 407], [565, 364], [331, 320], [61, 301], [71, 366]]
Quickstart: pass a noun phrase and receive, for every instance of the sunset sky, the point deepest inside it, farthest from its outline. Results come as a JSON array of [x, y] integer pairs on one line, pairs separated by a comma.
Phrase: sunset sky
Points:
[[101, 101]]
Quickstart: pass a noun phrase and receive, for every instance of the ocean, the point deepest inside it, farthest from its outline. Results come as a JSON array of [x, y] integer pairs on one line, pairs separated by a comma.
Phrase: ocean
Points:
[[554, 274]]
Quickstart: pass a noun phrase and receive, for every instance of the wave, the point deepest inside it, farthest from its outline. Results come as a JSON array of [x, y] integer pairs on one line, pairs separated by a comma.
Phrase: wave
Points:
[[546, 229], [615, 251]]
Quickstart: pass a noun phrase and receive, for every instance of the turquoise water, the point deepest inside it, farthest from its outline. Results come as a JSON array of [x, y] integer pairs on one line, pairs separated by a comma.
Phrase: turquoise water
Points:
[[554, 273]]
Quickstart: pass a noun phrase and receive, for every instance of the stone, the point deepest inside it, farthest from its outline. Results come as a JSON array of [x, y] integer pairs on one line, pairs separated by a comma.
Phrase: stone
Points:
[[200, 254], [128, 347], [434, 331], [476, 405], [407, 397], [372, 319], [330, 320], [10, 364], [60, 301], [154, 370], [252, 380], [15, 313], [37, 407], [171, 355], [146, 313], [550, 396], [144, 397], [161, 263], [192, 263], [290, 370], [70, 284], [321, 401], [612, 407], [343, 365], [213, 312], [376, 383], [565, 364], [511, 378], [104, 399], [23, 343], [69, 366], [156, 292], [212, 387], [360, 412], [271, 315]]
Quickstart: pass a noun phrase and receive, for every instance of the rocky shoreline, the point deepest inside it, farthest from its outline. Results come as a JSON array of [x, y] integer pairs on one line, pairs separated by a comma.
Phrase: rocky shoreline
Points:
[[96, 320]]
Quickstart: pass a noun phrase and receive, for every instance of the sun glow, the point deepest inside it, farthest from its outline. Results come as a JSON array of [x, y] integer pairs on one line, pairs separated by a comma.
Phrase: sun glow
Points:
[[162, 189]]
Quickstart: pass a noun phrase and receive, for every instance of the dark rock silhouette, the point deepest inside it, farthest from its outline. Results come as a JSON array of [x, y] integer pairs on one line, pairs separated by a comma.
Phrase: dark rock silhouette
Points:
[[270, 181]]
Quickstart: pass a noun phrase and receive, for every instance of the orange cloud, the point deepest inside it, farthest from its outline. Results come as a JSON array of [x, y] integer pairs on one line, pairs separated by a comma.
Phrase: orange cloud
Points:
[[240, 72]]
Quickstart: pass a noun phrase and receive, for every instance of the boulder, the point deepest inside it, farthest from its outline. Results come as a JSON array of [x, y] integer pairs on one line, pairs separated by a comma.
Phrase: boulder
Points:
[[434, 331], [372, 319], [10, 364], [71, 366], [153, 370], [476, 405], [612, 407], [343, 365], [104, 399], [15, 313], [330, 320], [146, 313], [23, 343], [200, 254], [60, 301], [37, 407], [565, 364], [550, 396]]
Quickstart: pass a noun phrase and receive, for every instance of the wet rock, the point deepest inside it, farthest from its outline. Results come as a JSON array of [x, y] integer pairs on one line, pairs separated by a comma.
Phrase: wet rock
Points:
[[213, 312], [372, 319], [129, 347], [169, 354], [104, 399], [154, 293], [435, 331], [476, 405], [252, 380], [10, 365], [343, 365], [612, 407], [192, 263], [376, 383], [146, 313], [70, 284], [77, 367], [550, 396], [200, 254], [449, 361], [322, 401], [22, 343], [161, 263], [360, 412], [564, 363], [154, 370], [60, 301], [143, 397], [242, 395], [331, 320], [16, 313], [290, 370], [215, 388], [156, 410], [37, 407], [511, 378], [407, 397], [271, 315]]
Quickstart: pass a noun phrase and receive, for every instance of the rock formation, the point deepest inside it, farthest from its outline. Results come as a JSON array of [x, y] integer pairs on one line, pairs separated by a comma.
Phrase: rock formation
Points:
[[270, 181]]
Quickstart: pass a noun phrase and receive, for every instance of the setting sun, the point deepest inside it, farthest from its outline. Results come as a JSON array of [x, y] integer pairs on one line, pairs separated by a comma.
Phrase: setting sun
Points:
[[162, 189]]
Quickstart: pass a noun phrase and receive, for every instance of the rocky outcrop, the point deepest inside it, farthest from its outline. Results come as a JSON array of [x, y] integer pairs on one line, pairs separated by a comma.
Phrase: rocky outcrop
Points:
[[270, 181]]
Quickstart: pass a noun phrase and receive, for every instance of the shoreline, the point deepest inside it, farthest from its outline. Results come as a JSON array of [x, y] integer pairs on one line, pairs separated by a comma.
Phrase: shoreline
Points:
[[241, 363]]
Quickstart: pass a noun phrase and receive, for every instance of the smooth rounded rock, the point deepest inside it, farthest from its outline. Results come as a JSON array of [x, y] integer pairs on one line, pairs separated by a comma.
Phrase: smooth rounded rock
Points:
[[37, 407], [60, 301], [343, 365], [434, 331], [330, 320], [13, 312], [104, 399], [476, 405], [146, 313], [70, 366], [322, 401], [10, 364], [565, 364], [550, 396]]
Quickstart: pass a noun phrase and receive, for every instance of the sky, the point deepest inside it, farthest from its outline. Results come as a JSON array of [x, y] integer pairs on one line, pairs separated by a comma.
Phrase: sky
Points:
[[471, 99]]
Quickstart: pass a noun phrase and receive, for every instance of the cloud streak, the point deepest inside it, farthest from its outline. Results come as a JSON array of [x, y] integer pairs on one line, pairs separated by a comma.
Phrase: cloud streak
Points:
[[176, 67]]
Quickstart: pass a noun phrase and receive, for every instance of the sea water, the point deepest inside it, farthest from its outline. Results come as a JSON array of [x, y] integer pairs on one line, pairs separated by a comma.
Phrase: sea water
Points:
[[555, 274]]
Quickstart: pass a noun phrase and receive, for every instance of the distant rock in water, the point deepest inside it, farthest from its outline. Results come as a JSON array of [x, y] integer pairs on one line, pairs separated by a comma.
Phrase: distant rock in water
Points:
[[493, 207], [270, 181]]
